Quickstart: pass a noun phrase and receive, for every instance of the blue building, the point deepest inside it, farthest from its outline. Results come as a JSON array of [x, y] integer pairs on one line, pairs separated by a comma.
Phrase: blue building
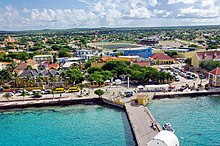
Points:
[[141, 52]]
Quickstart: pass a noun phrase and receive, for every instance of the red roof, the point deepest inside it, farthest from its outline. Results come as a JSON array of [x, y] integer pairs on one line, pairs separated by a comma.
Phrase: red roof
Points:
[[215, 71], [161, 56], [208, 55], [55, 66]]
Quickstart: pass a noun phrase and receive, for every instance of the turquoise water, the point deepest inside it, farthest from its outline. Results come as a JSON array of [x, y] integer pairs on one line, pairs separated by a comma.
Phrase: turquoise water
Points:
[[80, 125], [196, 120]]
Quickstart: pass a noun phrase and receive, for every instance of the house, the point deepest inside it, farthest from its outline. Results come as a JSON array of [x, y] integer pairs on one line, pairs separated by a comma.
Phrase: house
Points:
[[161, 58], [84, 54], [23, 66], [43, 58], [208, 55], [143, 52], [37, 78], [214, 77], [49, 66]]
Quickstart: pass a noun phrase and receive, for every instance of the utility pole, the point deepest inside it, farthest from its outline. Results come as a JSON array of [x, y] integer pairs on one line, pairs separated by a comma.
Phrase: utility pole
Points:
[[128, 82]]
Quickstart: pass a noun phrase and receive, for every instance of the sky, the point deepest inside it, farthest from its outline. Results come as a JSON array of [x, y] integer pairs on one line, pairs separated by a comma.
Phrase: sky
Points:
[[62, 14]]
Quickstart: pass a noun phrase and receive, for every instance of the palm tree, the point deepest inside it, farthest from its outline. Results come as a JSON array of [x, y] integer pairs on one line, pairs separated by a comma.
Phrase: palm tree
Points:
[[39, 79], [23, 93], [8, 96], [11, 66], [53, 92], [81, 86], [52, 78], [15, 78], [28, 80], [64, 77]]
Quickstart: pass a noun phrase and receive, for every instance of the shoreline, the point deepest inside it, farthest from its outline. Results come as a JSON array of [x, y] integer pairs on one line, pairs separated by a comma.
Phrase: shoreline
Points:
[[183, 94]]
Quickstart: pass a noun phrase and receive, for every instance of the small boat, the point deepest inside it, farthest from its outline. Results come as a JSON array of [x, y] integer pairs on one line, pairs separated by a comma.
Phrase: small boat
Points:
[[168, 127]]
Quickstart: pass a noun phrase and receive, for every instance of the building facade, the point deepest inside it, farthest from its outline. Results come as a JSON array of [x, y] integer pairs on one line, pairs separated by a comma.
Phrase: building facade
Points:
[[141, 52], [200, 56], [43, 58], [161, 58], [84, 54], [37, 78], [214, 77]]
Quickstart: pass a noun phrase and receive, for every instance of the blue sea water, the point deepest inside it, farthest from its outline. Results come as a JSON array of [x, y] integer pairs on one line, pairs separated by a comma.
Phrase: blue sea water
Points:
[[196, 120], [78, 125]]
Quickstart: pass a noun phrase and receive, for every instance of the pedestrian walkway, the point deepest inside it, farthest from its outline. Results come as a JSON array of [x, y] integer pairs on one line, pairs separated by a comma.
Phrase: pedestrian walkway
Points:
[[141, 121]]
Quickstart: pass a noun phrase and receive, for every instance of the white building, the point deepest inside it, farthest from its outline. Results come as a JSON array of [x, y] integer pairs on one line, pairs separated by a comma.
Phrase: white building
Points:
[[84, 54], [43, 58]]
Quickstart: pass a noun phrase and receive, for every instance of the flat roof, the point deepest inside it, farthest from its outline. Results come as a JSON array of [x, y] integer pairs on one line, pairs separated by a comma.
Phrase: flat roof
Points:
[[139, 48], [43, 55], [129, 57]]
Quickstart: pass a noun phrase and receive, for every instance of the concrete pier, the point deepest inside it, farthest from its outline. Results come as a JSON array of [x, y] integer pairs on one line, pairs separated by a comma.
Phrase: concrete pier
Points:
[[141, 120]]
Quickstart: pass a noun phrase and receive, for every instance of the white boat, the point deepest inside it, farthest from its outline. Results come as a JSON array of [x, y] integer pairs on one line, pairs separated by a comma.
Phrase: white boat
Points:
[[168, 127]]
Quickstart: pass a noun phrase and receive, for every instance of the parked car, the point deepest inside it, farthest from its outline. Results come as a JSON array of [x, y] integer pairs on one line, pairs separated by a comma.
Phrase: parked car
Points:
[[202, 76], [60, 90], [73, 89], [47, 91], [177, 79], [128, 93], [182, 88], [189, 77], [21, 92]]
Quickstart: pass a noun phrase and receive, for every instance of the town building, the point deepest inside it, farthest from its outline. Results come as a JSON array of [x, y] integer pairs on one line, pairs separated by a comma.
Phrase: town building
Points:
[[23, 66], [43, 58], [214, 77], [84, 54], [143, 52], [37, 78], [150, 41], [9, 40], [129, 58], [161, 58], [208, 55]]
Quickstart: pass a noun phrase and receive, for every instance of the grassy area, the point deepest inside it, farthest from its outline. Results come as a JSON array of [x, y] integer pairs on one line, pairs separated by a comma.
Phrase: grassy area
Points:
[[109, 45]]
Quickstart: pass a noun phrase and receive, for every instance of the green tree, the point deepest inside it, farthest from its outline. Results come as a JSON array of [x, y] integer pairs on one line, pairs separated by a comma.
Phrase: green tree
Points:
[[74, 76], [64, 53], [99, 92], [209, 64], [39, 79], [52, 79], [171, 53], [24, 93], [93, 69], [8, 96]]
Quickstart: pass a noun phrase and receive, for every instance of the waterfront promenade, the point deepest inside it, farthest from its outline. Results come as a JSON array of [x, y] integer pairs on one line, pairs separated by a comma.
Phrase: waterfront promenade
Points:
[[141, 120]]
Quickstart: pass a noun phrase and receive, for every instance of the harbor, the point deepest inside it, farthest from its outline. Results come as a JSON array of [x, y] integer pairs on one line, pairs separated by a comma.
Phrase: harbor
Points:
[[139, 116]]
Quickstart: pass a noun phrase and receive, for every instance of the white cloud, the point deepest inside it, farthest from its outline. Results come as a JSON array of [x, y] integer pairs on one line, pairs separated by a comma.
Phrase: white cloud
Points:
[[112, 13], [181, 1]]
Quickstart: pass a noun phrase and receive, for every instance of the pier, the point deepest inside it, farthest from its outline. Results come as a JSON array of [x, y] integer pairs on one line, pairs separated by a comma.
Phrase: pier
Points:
[[141, 120]]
